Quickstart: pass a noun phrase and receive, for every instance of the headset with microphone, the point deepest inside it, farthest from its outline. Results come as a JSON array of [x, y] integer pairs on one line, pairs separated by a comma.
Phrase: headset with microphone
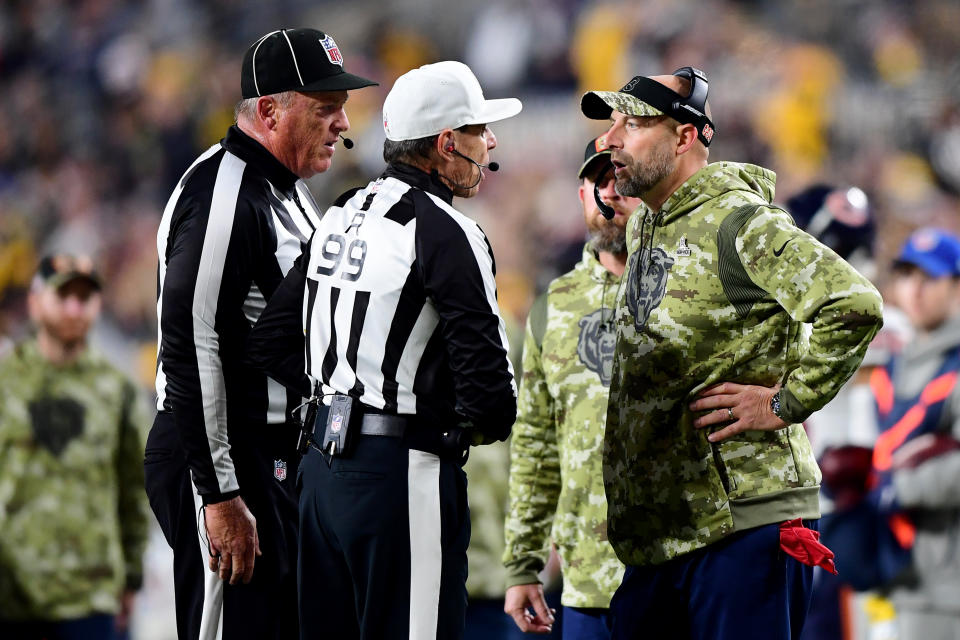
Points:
[[347, 142], [605, 210], [689, 109], [493, 166]]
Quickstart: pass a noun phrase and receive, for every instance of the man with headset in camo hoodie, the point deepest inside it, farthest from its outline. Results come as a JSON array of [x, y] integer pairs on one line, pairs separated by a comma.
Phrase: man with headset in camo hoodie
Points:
[[733, 327], [556, 483]]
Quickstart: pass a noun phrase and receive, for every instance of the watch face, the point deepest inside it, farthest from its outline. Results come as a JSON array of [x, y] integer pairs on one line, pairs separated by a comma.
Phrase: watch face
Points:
[[775, 404]]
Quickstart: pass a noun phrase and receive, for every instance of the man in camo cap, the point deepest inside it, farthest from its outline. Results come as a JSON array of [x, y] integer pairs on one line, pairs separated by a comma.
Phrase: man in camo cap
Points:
[[73, 514], [707, 469], [556, 481]]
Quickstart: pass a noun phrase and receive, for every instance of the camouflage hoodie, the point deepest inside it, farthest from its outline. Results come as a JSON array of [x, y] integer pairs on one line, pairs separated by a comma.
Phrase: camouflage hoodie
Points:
[[556, 480], [715, 293], [73, 512]]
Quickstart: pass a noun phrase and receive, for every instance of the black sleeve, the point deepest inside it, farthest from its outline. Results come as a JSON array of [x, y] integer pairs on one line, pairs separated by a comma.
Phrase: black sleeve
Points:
[[276, 344], [457, 268], [213, 245]]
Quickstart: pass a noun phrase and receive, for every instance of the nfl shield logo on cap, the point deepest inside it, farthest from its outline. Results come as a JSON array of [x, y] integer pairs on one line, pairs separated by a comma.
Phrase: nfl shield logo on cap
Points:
[[332, 50], [280, 470]]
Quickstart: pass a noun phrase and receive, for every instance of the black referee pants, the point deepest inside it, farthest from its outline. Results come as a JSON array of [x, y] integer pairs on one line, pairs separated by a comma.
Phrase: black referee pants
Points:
[[208, 608], [383, 544]]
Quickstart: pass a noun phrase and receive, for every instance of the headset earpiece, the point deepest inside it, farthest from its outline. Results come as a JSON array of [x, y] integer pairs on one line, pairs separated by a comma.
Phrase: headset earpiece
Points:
[[449, 147]]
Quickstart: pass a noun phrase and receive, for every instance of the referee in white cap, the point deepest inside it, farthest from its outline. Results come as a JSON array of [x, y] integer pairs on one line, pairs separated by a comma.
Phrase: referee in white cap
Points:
[[406, 350], [221, 457]]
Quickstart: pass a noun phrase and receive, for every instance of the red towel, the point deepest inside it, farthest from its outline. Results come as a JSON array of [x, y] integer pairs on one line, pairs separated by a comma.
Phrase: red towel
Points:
[[804, 545]]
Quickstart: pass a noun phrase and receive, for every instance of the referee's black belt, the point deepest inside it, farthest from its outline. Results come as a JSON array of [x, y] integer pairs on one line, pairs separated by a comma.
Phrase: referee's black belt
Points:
[[379, 424], [407, 428], [371, 424]]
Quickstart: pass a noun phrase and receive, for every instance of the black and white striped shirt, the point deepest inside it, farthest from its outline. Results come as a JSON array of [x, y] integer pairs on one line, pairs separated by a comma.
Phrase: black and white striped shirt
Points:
[[231, 230], [396, 298]]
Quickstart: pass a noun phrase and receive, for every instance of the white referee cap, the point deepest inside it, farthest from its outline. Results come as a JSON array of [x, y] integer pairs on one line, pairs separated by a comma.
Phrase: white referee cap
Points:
[[445, 95]]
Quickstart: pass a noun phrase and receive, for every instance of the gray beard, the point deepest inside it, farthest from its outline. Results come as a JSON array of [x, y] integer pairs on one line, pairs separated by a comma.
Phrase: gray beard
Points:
[[609, 239], [644, 177]]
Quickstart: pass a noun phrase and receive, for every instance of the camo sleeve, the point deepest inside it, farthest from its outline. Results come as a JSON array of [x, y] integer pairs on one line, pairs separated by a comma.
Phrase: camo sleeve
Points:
[[132, 502], [534, 473], [814, 285]]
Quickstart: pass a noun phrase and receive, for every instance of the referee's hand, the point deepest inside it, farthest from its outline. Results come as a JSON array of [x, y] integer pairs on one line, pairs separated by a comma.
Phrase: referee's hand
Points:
[[517, 603], [234, 544]]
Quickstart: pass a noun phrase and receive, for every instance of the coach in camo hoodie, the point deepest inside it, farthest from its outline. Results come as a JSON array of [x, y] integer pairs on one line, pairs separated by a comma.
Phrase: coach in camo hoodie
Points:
[[733, 326]]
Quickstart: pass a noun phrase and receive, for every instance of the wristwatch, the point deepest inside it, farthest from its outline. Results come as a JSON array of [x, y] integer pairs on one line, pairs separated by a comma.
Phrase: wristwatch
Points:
[[775, 404]]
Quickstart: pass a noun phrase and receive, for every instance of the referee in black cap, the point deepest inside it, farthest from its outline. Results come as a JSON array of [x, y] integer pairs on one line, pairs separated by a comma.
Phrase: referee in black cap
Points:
[[221, 457]]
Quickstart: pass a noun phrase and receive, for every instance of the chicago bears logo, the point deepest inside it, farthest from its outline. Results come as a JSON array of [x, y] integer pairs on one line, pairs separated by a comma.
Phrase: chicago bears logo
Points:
[[57, 422], [647, 285], [597, 343]]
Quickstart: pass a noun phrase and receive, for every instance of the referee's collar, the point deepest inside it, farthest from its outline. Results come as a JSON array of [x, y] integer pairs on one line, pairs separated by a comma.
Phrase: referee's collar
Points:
[[252, 152], [419, 178]]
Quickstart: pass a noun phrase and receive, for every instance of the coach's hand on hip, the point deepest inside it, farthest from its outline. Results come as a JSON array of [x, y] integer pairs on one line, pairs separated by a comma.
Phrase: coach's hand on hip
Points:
[[739, 406], [234, 544]]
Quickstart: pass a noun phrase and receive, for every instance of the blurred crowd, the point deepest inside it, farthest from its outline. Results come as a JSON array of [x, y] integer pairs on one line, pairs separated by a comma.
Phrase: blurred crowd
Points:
[[107, 102]]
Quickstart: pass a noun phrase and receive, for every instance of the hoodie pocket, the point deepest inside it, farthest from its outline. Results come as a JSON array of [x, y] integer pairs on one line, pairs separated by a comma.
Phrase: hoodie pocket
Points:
[[757, 463]]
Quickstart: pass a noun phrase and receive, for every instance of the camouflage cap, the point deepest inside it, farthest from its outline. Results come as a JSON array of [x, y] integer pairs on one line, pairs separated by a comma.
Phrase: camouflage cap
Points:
[[644, 96], [57, 270], [598, 105]]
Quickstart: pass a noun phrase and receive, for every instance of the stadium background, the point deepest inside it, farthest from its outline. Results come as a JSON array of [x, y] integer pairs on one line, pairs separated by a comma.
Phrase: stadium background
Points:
[[105, 102]]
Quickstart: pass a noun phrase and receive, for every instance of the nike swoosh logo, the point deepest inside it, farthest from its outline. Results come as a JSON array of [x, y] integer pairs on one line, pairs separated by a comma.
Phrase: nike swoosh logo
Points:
[[780, 252]]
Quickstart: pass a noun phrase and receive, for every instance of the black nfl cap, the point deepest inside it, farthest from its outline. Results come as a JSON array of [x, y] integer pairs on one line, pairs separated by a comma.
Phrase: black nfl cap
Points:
[[295, 60], [597, 149]]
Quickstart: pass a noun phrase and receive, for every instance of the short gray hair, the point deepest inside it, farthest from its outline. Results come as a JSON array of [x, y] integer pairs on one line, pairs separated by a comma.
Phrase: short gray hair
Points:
[[408, 151], [412, 150], [247, 107]]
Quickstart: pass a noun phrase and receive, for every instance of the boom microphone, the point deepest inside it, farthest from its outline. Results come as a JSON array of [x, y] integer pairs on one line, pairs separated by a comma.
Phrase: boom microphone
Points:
[[606, 210], [347, 142], [493, 166]]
